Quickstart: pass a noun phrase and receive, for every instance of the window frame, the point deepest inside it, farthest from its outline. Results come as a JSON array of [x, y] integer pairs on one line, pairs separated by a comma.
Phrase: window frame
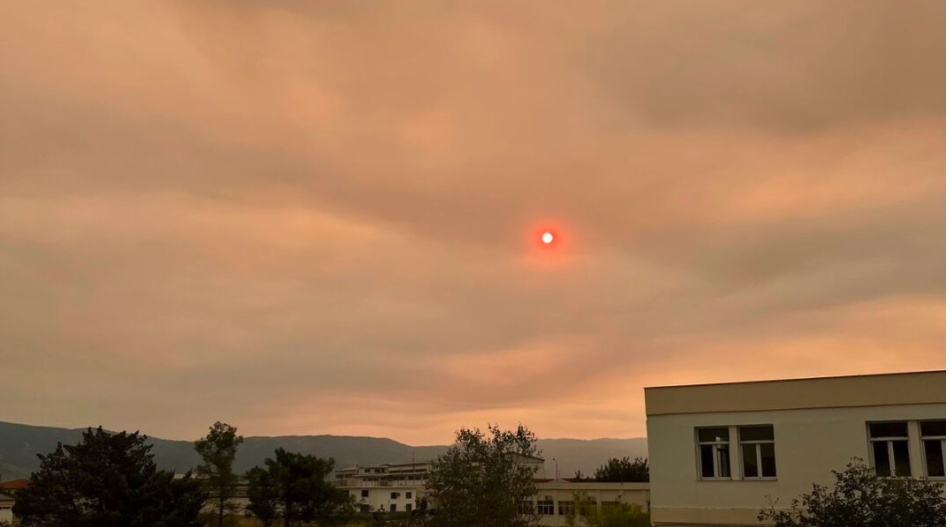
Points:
[[891, 458], [758, 452], [547, 503], [727, 443], [923, 447], [566, 508]]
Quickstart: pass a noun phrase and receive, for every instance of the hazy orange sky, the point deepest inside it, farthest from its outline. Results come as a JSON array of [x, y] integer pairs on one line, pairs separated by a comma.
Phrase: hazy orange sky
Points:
[[316, 217]]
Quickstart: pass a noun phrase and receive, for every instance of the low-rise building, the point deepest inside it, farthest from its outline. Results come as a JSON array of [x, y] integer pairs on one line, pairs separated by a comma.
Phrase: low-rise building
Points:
[[555, 501], [6, 508], [385, 488], [397, 487], [720, 452]]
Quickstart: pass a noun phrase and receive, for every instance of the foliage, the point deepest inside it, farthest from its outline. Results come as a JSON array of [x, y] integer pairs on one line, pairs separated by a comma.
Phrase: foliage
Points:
[[482, 481], [623, 470], [607, 515], [108, 480], [292, 488], [218, 450], [860, 498]]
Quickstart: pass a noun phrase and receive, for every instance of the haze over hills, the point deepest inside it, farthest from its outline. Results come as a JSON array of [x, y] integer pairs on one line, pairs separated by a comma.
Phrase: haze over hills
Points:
[[19, 445]]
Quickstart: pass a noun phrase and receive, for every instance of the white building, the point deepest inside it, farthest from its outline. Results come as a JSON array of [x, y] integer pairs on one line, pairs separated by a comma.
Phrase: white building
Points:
[[6, 508], [385, 488], [396, 487], [718, 451]]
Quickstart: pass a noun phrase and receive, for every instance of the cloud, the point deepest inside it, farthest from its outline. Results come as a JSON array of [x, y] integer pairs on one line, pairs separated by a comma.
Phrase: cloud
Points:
[[305, 218]]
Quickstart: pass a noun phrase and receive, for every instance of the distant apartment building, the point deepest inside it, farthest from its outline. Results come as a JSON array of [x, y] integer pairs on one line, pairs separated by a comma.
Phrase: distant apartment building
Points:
[[718, 452], [385, 488], [396, 487]]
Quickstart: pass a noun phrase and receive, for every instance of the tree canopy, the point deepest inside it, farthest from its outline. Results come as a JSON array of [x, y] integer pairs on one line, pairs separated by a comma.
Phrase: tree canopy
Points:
[[624, 470], [859, 498], [293, 489], [483, 480], [108, 480], [218, 450]]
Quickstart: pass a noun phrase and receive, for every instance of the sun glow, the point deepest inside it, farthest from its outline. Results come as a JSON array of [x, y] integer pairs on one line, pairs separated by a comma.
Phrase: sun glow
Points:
[[547, 238]]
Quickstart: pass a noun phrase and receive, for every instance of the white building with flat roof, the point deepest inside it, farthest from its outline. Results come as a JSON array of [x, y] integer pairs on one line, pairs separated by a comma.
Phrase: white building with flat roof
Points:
[[719, 451], [392, 488], [385, 488]]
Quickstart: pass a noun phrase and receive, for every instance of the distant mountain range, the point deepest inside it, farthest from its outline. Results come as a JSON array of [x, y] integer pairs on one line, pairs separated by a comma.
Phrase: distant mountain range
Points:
[[19, 445]]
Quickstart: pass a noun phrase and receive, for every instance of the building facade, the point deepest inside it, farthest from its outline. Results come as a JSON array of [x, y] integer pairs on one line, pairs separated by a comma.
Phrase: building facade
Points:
[[720, 452], [394, 488], [385, 488]]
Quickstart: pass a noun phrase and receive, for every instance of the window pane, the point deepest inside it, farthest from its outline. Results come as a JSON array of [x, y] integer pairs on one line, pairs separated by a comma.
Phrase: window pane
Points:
[[714, 434], [934, 453], [750, 463], [706, 453], [888, 429], [901, 458], [722, 460], [933, 428], [882, 466], [756, 433], [768, 460]]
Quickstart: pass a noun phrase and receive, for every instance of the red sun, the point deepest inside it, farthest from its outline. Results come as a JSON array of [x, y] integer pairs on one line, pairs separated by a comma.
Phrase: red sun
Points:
[[547, 238]]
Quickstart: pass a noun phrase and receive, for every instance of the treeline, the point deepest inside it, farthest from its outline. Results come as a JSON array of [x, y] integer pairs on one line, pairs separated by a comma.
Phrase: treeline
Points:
[[111, 479]]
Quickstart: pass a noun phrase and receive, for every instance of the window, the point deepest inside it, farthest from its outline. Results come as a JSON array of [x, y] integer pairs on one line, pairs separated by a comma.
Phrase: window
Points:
[[364, 508], [392, 507], [408, 507], [566, 508], [394, 495], [757, 444], [546, 506], [713, 446], [408, 495], [364, 493], [890, 454], [933, 434]]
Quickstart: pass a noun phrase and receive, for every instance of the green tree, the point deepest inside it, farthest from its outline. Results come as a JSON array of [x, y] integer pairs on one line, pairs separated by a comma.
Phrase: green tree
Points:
[[293, 489], [108, 480], [623, 470], [218, 450], [586, 513], [483, 480], [859, 498], [263, 496]]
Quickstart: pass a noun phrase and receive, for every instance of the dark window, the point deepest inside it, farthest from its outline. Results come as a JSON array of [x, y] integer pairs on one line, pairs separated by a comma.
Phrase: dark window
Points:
[[714, 452], [394, 495], [392, 508], [882, 430], [408, 507], [933, 428], [756, 433], [408, 495], [768, 461], [881, 465], [750, 461], [712, 435], [901, 458], [546, 507], [934, 452], [566, 508], [758, 451], [889, 448], [933, 434], [364, 493]]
